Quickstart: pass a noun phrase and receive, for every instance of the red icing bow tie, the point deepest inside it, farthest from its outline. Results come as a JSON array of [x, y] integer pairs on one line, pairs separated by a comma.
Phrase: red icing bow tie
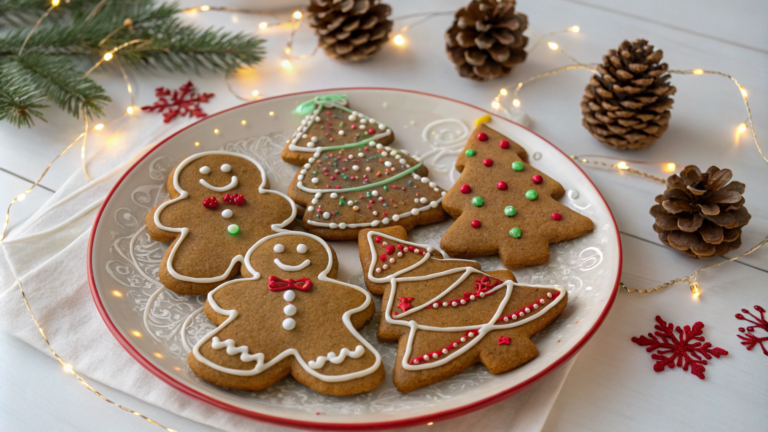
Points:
[[277, 284]]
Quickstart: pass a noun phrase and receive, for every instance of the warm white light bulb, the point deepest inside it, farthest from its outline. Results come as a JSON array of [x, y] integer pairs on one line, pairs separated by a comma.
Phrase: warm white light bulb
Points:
[[743, 91], [108, 56], [55, 3], [205, 8], [671, 167], [68, 368], [255, 93], [552, 45], [21, 197], [742, 127], [399, 40], [297, 15], [263, 25], [129, 110], [99, 126], [698, 71], [495, 104], [575, 29], [286, 64], [622, 165], [503, 92], [516, 103]]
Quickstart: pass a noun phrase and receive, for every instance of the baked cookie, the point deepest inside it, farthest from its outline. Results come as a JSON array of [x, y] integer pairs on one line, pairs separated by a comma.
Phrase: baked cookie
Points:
[[289, 316], [220, 205], [503, 205], [447, 314], [329, 123], [374, 185]]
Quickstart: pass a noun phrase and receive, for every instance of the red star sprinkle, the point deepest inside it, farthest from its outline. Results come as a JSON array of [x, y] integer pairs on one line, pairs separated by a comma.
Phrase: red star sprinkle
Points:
[[405, 303], [183, 102], [749, 339], [503, 340], [684, 351]]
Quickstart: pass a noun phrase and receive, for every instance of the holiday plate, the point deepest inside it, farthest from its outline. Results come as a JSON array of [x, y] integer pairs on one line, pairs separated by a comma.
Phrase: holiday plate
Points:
[[158, 327]]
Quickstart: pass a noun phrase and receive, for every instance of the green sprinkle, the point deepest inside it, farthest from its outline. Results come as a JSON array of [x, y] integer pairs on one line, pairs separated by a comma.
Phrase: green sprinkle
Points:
[[470, 152], [368, 194], [531, 194], [477, 201], [385, 188], [515, 232], [233, 229], [510, 211], [518, 166], [314, 172], [341, 202]]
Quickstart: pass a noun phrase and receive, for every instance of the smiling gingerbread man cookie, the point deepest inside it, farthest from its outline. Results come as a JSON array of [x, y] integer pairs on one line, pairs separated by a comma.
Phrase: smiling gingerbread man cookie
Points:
[[220, 205], [290, 316]]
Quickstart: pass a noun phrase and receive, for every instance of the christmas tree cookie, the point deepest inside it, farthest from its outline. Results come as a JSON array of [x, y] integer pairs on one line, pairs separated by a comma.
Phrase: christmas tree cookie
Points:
[[220, 205], [447, 314], [289, 315], [330, 124], [503, 205], [373, 185]]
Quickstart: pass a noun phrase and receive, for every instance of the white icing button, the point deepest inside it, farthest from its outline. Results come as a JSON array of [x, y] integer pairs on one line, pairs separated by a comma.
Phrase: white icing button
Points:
[[423, 200], [378, 270], [361, 154], [333, 225], [514, 317], [334, 195], [226, 168], [341, 132], [313, 139], [315, 201], [289, 324], [310, 209], [387, 164], [289, 295], [375, 193], [302, 248], [385, 266], [315, 180], [318, 195], [289, 310], [549, 295], [375, 223], [205, 170], [415, 212], [343, 225], [395, 218], [384, 154], [326, 215], [226, 214], [279, 248]]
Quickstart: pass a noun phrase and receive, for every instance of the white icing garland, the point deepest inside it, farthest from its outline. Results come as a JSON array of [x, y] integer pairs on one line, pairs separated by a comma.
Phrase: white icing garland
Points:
[[337, 359]]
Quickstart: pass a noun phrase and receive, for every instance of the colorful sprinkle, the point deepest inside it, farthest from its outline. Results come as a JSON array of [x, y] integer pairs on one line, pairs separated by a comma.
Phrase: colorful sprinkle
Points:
[[475, 223], [470, 152], [482, 136], [510, 211], [518, 166], [504, 144], [233, 229], [531, 194], [556, 216], [515, 232], [210, 203], [477, 201], [465, 189], [501, 185], [537, 179], [488, 162]]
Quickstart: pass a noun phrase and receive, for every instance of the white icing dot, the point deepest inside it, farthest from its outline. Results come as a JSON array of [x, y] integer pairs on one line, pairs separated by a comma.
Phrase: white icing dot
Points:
[[434, 204], [384, 154], [463, 339], [435, 305], [482, 294], [343, 225], [387, 164], [391, 260], [432, 184], [289, 310], [319, 195], [514, 316], [315, 180], [415, 212], [385, 221], [424, 180], [402, 161], [361, 154], [549, 295], [379, 146], [310, 209], [445, 350], [399, 254], [363, 121], [341, 132], [381, 126], [395, 218], [426, 357], [279, 248], [541, 301], [313, 139], [462, 301], [326, 215], [289, 295], [350, 203], [378, 270], [352, 117], [375, 223], [415, 361], [454, 304], [471, 334], [527, 310], [375, 213], [334, 195], [315, 201], [311, 144], [355, 168], [445, 304], [301, 177], [205, 170], [434, 355], [289, 324], [535, 305], [304, 136], [312, 160], [423, 200], [226, 214], [307, 166], [375, 193], [385, 266], [317, 118], [302, 248], [226, 168], [506, 319]]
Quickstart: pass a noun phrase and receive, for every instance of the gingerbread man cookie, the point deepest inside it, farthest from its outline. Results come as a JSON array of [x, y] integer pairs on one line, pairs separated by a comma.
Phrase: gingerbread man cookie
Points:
[[447, 314], [289, 316], [219, 206]]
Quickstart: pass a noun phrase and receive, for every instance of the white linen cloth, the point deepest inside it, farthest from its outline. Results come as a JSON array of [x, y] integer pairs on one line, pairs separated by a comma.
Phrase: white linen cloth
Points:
[[48, 255]]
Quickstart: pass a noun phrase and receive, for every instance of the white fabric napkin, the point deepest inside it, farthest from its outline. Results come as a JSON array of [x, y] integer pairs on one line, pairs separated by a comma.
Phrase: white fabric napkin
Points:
[[48, 255]]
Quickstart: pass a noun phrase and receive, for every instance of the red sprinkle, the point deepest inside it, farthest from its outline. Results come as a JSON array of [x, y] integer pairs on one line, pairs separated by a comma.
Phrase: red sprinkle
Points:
[[371, 131], [504, 144], [488, 162], [210, 203], [378, 239], [465, 189], [482, 136], [383, 257], [556, 216], [501, 185], [537, 179], [390, 249], [475, 223], [410, 248]]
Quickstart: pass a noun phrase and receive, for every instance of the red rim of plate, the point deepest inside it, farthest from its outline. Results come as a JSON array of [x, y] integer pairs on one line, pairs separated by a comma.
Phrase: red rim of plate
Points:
[[413, 421]]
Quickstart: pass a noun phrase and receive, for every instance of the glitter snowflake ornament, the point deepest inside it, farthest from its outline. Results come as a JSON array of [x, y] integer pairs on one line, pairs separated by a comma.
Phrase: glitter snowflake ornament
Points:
[[182, 102], [686, 351], [749, 339]]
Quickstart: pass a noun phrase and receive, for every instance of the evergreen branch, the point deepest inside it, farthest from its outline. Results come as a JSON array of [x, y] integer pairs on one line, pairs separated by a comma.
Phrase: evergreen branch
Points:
[[19, 97], [17, 13]]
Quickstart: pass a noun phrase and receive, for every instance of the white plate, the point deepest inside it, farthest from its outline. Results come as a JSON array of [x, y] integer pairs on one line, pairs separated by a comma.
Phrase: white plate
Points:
[[123, 262]]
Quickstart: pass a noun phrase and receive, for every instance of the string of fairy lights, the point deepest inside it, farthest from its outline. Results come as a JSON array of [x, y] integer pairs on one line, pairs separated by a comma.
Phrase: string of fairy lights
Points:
[[294, 22]]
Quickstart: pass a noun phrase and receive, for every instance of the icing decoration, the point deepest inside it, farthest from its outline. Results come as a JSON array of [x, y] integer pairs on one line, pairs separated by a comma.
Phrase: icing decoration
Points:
[[290, 268], [477, 201], [232, 184], [277, 284], [302, 248], [685, 350], [531, 194], [501, 185], [210, 203], [278, 248], [510, 211], [749, 339], [259, 358], [504, 144], [290, 309], [470, 152], [518, 166], [526, 310], [515, 232], [289, 296], [488, 162], [556, 216], [289, 324], [233, 229], [405, 303], [182, 102], [482, 119], [205, 170], [226, 168], [226, 214], [537, 179], [475, 223], [503, 340], [482, 288], [465, 189], [482, 136], [236, 199]]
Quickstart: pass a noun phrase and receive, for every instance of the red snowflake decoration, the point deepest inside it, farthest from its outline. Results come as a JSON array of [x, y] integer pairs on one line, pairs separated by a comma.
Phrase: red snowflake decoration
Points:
[[405, 303], [749, 339], [183, 102], [686, 351]]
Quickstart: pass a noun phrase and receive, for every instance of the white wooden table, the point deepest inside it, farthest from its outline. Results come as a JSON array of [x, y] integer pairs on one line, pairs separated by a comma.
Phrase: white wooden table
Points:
[[612, 385]]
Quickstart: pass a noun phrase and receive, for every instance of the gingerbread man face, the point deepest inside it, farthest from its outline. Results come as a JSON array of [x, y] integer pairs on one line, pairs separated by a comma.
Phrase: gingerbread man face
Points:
[[290, 316], [220, 206]]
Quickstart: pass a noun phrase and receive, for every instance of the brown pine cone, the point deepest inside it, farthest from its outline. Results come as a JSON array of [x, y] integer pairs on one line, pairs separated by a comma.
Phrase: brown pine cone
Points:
[[627, 105], [486, 39], [350, 30], [701, 214]]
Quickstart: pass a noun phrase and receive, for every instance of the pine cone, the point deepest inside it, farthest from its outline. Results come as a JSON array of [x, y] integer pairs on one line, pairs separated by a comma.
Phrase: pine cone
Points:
[[486, 39], [627, 105], [350, 30], [700, 214]]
